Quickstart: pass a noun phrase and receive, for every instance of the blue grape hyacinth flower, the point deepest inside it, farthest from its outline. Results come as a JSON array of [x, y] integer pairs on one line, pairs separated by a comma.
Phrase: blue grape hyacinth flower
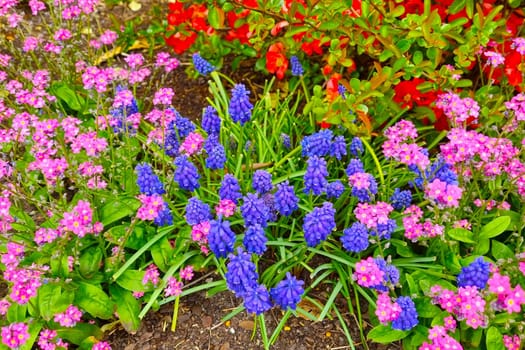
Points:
[[476, 274], [318, 224], [201, 65], [287, 294], [241, 274], [149, 183], [240, 108], [221, 238], [186, 174]]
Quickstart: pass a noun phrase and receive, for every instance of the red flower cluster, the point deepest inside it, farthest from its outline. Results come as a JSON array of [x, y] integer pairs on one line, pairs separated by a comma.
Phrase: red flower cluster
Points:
[[186, 22], [276, 61]]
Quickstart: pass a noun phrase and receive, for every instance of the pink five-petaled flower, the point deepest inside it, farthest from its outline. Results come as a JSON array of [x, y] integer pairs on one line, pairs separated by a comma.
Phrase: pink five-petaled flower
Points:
[[186, 273], [163, 96], [174, 287], [151, 275], [192, 144], [151, 206], [386, 310]]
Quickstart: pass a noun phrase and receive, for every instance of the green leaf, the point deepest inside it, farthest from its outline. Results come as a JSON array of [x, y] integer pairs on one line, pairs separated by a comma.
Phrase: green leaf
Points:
[[495, 227], [162, 252], [118, 209], [51, 300], [132, 281], [385, 334], [90, 261], [94, 300], [128, 308], [462, 235], [81, 331], [16, 313], [65, 93], [482, 247], [214, 17], [329, 25], [456, 6], [501, 251], [494, 339], [417, 58]]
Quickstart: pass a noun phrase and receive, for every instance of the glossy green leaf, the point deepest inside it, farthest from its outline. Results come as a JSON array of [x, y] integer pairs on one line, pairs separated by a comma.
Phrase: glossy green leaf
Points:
[[90, 261], [385, 334], [162, 253], [462, 235], [79, 333], [214, 17], [494, 339], [118, 209], [132, 281], [51, 300], [94, 300], [495, 227], [65, 93], [501, 251], [128, 308]]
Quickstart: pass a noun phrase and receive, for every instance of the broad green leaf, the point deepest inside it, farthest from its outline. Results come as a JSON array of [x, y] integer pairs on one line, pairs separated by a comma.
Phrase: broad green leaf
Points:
[[329, 25], [128, 308], [385, 334], [81, 331], [65, 93], [215, 17], [426, 309], [132, 281], [494, 339], [501, 251], [495, 227], [94, 300], [52, 301], [162, 252], [462, 235], [482, 247], [16, 313], [118, 209], [90, 261]]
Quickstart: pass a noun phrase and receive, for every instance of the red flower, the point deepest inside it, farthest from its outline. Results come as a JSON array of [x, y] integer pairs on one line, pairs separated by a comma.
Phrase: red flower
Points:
[[405, 93], [242, 32], [332, 87], [276, 61], [181, 42]]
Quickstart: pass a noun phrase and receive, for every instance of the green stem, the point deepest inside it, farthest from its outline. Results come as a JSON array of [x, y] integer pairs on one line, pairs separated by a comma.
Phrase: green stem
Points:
[[376, 161], [175, 314]]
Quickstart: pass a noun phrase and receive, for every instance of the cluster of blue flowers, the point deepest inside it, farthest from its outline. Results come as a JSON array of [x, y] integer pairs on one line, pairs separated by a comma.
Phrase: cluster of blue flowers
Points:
[[315, 178], [355, 238], [254, 211], [240, 108], [211, 122], [262, 181], [285, 200], [230, 188], [201, 65], [164, 216], [390, 277], [242, 280], [297, 67], [401, 199], [197, 211], [221, 238], [437, 170], [407, 319], [318, 224], [476, 274], [120, 115], [171, 140], [149, 183], [186, 174], [318, 144]]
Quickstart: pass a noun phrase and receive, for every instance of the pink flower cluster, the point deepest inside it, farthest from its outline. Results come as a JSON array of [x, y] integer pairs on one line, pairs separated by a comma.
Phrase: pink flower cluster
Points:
[[414, 229], [386, 310], [192, 144], [459, 111], [165, 60], [371, 215], [199, 234], [173, 287], [466, 304], [90, 143], [444, 194], [151, 275], [92, 173], [25, 281], [439, 339], [47, 340], [367, 273], [359, 180], [400, 145], [517, 106], [150, 206], [98, 78], [490, 155], [226, 208], [79, 220], [46, 235], [508, 298], [70, 317], [512, 343], [163, 96], [5, 217], [15, 335]]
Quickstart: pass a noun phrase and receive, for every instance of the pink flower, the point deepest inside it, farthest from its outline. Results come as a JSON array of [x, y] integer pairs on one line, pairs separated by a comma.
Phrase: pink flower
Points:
[[101, 345], [192, 144], [386, 310], [367, 273], [150, 206], [512, 343], [163, 96], [70, 317], [15, 335], [226, 208], [108, 37], [174, 287], [151, 275], [199, 232], [186, 273], [62, 35]]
